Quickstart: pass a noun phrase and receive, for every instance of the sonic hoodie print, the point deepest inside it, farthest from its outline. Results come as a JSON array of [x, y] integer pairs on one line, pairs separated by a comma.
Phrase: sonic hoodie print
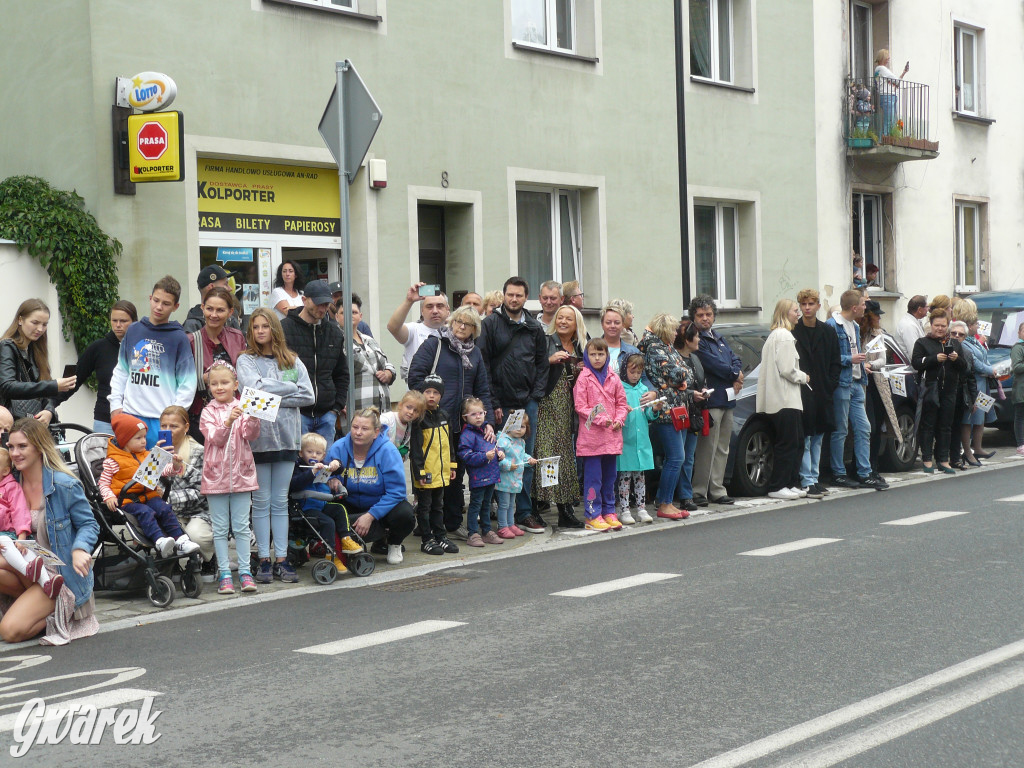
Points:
[[155, 369]]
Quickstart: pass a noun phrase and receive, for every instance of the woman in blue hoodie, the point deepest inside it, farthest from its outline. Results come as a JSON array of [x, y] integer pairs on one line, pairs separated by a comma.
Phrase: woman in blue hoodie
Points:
[[374, 477]]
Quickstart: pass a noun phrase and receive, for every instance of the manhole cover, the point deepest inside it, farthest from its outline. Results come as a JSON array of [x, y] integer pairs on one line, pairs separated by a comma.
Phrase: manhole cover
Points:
[[420, 582]]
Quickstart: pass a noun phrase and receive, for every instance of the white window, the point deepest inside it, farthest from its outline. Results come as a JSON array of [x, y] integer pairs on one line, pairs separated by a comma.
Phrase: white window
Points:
[[716, 240], [968, 246], [967, 72], [548, 228], [545, 23], [861, 52], [868, 240], [711, 39]]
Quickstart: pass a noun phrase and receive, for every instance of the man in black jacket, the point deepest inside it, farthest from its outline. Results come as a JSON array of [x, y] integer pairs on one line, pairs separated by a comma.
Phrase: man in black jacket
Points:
[[321, 347], [515, 351], [818, 347]]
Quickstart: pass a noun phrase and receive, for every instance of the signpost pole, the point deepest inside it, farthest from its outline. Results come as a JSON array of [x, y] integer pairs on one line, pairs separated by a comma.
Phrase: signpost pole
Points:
[[344, 177]]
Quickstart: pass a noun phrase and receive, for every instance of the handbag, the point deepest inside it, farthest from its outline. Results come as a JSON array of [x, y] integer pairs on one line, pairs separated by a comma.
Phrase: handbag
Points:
[[680, 417]]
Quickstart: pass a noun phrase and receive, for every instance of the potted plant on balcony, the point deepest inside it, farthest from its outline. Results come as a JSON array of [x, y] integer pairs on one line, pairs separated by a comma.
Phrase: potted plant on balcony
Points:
[[862, 138]]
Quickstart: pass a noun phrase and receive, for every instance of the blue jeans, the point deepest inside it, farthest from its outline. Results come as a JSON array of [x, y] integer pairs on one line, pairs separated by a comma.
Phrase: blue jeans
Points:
[[524, 506], [102, 426], [322, 425], [230, 514], [811, 461], [270, 507], [479, 509], [684, 488], [506, 506], [672, 444], [848, 403]]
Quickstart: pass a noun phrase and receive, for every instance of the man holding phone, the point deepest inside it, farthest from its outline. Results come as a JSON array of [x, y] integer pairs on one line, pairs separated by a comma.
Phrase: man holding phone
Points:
[[434, 313]]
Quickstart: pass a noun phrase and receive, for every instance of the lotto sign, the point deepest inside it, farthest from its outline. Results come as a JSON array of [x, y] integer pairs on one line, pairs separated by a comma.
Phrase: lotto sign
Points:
[[156, 151]]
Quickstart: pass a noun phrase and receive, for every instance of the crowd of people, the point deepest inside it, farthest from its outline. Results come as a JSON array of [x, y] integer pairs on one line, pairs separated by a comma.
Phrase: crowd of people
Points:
[[532, 409]]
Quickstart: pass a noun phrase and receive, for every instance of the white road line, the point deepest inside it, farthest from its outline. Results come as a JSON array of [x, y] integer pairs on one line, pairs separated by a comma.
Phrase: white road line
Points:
[[1012, 498], [379, 638], [900, 725], [926, 518], [793, 546], [755, 750], [113, 698], [611, 586]]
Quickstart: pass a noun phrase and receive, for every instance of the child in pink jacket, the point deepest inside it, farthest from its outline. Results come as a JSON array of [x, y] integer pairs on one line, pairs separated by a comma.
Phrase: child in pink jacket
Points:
[[229, 473], [601, 405]]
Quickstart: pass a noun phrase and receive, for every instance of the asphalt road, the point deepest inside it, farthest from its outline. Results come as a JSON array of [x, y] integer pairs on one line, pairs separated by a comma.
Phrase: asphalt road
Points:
[[883, 645]]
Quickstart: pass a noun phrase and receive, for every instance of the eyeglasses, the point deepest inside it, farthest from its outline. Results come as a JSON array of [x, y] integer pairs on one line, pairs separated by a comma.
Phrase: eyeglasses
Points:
[[463, 323], [577, 296], [957, 334]]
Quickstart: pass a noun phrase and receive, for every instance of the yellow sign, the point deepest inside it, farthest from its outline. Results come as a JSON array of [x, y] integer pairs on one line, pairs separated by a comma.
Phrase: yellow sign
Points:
[[156, 151], [237, 196]]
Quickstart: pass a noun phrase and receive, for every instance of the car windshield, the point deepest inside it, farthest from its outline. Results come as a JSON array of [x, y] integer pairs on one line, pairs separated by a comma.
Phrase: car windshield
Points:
[[1005, 322]]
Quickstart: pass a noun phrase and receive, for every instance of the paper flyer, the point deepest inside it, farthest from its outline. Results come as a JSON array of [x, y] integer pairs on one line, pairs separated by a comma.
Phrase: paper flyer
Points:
[[262, 405], [152, 467]]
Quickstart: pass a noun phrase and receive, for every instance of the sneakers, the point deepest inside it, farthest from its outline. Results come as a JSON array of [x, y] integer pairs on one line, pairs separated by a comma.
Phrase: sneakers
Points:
[[460, 533], [165, 546], [285, 572], [874, 481], [516, 530], [395, 556], [431, 547], [644, 516], [1020, 451], [265, 572], [842, 481], [208, 573], [184, 546], [626, 518], [613, 522], [339, 564], [492, 538], [597, 524], [798, 491], [227, 585], [811, 492], [533, 524], [348, 544], [505, 533], [819, 488], [475, 540], [248, 585], [52, 588], [447, 545], [785, 494]]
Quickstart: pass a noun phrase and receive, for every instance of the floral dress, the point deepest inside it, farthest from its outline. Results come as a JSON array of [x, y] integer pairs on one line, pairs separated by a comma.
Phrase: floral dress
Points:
[[555, 420]]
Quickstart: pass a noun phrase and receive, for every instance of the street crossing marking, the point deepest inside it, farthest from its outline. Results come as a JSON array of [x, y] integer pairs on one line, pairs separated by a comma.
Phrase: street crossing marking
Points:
[[926, 518], [55, 709], [611, 586], [379, 638], [793, 546], [1013, 498]]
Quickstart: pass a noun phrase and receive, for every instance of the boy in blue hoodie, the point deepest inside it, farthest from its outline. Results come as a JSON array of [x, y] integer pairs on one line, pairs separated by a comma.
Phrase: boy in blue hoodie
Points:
[[155, 367]]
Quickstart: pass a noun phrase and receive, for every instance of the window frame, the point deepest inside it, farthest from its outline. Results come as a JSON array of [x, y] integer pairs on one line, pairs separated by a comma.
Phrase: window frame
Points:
[[869, 63], [878, 216], [961, 29], [719, 292], [556, 194], [959, 207], [714, 54], [551, 26]]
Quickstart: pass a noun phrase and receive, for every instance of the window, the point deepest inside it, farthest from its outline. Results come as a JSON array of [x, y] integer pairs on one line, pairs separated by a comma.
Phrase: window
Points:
[[968, 246], [548, 227], [716, 237], [366, 10], [711, 36], [868, 240], [545, 23], [967, 72], [861, 52]]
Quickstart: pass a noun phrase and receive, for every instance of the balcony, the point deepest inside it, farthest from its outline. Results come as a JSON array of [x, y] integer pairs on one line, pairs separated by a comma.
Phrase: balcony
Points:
[[887, 121]]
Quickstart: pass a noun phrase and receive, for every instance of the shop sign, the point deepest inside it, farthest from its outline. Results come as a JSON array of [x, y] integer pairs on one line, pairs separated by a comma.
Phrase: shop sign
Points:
[[156, 150], [224, 255], [151, 91], [267, 198]]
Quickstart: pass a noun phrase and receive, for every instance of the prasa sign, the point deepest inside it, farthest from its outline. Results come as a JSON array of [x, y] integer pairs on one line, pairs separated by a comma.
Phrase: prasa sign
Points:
[[152, 140]]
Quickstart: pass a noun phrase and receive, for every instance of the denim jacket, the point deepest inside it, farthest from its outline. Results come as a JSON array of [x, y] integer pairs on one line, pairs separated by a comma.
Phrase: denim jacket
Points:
[[70, 525], [845, 355]]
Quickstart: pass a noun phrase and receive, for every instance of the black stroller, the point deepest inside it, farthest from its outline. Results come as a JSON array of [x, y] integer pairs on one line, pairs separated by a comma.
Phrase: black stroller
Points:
[[305, 541]]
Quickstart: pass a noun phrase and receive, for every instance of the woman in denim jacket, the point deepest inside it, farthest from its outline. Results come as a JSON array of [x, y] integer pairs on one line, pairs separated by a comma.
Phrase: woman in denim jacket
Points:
[[62, 520]]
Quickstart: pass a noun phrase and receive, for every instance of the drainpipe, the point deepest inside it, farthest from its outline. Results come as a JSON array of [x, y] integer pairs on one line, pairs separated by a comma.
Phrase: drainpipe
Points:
[[684, 220]]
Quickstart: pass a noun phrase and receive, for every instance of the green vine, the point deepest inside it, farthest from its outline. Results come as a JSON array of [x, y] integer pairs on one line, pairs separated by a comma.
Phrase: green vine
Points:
[[54, 227]]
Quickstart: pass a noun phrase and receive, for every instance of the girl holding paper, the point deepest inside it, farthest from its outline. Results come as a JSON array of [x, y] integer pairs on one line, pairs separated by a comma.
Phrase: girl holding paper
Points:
[[268, 365]]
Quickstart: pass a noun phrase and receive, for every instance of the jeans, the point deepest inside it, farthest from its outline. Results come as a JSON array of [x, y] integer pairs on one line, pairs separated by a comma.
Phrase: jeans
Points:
[[848, 404], [672, 444], [524, 506], [599, 485], [506, 506], [156, 519], [102, 426], [479, 517], [810, 461], [1018, 423], [322, 425], [684, 488], [270, 507], [230, 513]]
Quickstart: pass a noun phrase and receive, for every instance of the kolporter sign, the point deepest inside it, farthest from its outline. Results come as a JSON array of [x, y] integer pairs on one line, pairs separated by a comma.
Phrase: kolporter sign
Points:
[[237, 196], [156, 151]]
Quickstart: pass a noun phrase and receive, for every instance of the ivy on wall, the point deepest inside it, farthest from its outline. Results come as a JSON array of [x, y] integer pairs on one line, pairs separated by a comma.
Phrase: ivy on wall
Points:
[[54, 227]]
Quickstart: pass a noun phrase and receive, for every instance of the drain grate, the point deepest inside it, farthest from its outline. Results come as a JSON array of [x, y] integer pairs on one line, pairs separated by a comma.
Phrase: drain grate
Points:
[[420, 582]]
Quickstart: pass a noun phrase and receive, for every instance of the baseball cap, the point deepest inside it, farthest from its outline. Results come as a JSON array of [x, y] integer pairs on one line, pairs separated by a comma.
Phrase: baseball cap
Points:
[[336, 287], [318, 292], [211, 274], [874, 307]]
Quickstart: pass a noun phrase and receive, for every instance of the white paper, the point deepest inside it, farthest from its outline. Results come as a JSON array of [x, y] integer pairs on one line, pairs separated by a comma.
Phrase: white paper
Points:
[[597, 409], [897, 383], [730, 393], [548, 471], [48, 555], [984, 402], [152, 467], [875, 345], [1008, 337], [322, 475], [514, 422], [260, 404], [984, 328]]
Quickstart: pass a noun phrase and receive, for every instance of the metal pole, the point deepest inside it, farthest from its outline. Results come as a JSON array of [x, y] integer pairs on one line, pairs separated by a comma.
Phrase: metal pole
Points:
[[341, 68]]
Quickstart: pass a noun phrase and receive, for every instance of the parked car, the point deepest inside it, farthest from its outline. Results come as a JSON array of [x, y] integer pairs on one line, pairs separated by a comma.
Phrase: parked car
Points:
[[1005, 311]]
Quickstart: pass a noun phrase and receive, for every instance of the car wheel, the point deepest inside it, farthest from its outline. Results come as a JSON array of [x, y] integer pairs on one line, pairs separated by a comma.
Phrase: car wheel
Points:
[[900, 458], [753, 469]]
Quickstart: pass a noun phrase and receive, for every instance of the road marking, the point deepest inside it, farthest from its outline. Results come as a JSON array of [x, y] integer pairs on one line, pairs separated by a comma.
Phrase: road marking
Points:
[[900, 725], [793, 546], [1013, 498], [616, 584], [379, 638], [755, 750], [926, 518], [54, 709]]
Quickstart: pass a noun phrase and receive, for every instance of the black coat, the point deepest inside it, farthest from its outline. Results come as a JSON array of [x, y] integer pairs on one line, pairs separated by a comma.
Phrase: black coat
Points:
[[100, 358], [516, 355], [321, 348], [459, 382], [945, 375], [21, 391], [818, 347]]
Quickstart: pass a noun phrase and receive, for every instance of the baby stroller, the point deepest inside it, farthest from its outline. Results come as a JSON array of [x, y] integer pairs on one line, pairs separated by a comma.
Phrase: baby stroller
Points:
[[305, 541], [125, 560]]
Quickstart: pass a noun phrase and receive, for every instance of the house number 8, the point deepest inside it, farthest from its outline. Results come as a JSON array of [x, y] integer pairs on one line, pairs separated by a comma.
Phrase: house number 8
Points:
[[444, 179]]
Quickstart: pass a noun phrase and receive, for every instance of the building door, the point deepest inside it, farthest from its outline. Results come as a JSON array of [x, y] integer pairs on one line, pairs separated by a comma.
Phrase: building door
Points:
[[430, 222]]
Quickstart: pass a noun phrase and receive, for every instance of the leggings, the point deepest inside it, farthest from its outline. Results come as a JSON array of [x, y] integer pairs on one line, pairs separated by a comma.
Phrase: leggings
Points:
[[639, 485], [270, 507], [230, 513]]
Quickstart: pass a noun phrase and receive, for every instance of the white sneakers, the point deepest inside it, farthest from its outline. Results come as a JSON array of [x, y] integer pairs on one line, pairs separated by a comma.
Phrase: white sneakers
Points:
[[164, 545], [183, 547], [395, 554], [626, 518], [799, 492], [785, 494], [643, 515]]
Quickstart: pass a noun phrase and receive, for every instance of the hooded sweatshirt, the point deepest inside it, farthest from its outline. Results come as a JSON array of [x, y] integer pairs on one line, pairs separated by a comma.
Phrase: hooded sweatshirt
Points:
[[155, 369], [379, 485]]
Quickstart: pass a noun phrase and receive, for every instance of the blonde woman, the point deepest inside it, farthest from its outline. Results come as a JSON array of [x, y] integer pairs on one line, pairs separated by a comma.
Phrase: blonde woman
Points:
[[778, 395]]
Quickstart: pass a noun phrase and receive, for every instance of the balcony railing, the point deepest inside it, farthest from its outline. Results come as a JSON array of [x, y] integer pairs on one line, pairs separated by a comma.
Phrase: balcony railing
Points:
[[883, 115]]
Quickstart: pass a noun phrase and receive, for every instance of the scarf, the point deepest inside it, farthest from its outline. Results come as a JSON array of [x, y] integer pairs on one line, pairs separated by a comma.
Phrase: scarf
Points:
[[464, 348], [600, 374]]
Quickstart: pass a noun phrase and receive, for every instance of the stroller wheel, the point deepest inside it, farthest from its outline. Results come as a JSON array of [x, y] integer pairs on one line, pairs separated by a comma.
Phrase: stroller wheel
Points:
[[361, 564], [325, 572], [161, 595], [191, 582]]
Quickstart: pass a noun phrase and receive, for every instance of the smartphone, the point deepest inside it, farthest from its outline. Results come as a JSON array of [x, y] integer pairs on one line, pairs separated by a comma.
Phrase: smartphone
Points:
[[948, 349], [165, 435], [907, 67], [430, 290], [70, 370]]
